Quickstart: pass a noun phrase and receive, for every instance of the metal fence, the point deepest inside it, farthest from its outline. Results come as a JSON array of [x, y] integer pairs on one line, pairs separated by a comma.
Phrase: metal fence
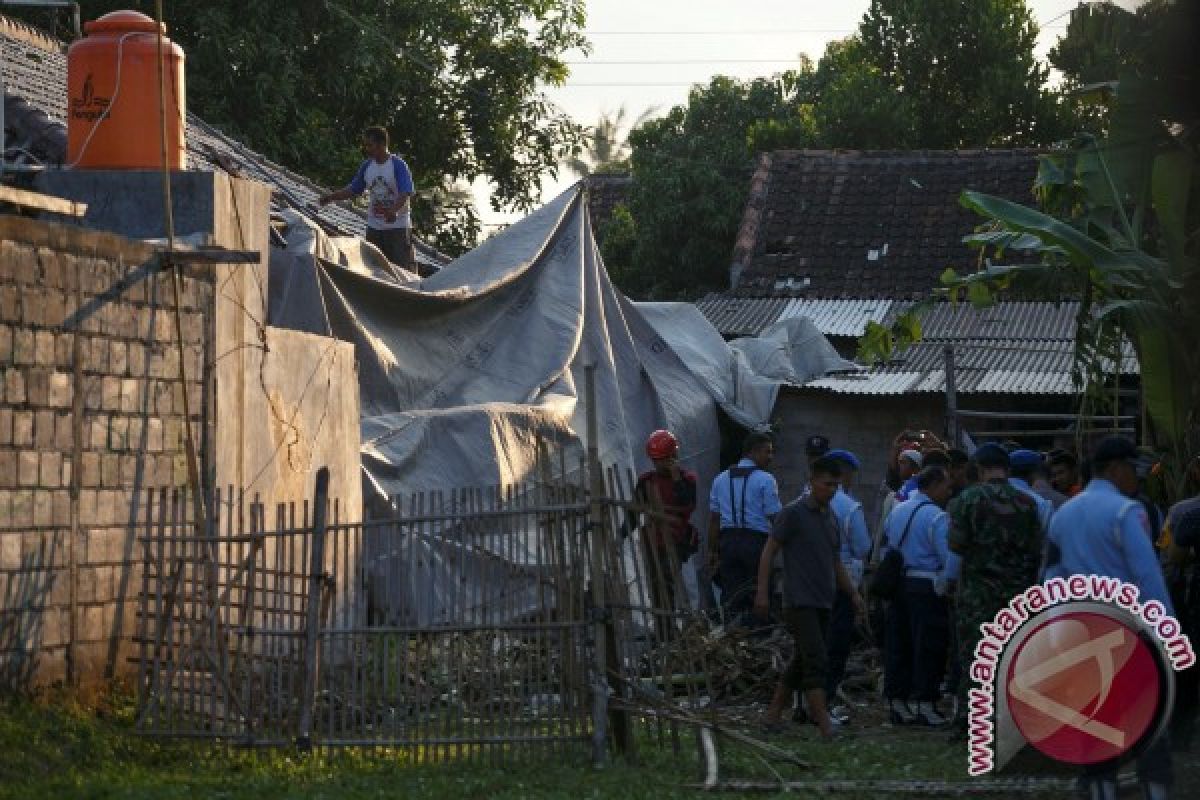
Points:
[[466, 623]]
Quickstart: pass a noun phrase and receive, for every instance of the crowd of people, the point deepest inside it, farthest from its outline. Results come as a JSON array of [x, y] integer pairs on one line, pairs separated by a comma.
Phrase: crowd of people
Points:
[[964, 532]]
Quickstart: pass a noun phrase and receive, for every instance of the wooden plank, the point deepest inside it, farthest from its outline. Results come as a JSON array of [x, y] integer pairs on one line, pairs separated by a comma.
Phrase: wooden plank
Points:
[[211, 255], [41, 202]]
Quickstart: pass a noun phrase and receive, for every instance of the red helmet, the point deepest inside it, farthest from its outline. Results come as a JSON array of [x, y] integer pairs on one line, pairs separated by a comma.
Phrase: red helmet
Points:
[[662, 444]]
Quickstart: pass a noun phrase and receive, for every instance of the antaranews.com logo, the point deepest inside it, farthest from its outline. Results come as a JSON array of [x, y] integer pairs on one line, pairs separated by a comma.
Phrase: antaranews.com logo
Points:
[[1079, 668]]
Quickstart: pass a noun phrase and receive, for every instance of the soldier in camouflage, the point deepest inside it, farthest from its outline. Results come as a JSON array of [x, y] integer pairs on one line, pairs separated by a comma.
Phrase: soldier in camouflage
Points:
[[995, 530]]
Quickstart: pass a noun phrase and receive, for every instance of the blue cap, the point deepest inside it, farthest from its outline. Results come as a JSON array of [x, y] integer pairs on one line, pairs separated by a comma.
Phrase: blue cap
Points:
[[991, 455], [844, 456], [1024, 458]]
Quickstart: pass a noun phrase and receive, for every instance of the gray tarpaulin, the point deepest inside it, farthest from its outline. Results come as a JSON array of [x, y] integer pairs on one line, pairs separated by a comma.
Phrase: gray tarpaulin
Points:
[[744, 375], [461, 373]]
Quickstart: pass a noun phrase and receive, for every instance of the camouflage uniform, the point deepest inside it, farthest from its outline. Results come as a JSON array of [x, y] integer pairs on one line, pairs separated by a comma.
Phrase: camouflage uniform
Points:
[[994, 528]]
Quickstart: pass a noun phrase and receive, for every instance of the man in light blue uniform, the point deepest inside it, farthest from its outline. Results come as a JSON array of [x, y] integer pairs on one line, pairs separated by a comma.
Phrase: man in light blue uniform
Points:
[[743, 503], [854, 545], [1022, 464], [1103, 530], [917, 620]]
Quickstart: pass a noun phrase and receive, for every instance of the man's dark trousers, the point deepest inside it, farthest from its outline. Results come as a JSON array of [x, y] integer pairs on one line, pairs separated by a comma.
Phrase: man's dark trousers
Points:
[[741, 550], [930, 626], [897, 649], [841, 636]]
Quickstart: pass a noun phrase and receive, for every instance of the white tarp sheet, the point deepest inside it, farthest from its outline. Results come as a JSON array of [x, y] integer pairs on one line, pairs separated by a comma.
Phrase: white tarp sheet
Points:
[[461, 373]]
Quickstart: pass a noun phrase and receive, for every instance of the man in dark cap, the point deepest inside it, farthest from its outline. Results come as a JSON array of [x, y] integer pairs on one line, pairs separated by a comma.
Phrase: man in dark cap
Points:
[[815, 446], [1103, 530], [995, 531]]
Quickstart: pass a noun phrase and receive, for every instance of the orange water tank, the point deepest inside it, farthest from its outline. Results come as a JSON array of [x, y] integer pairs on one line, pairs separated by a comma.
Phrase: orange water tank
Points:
[[113, 96]]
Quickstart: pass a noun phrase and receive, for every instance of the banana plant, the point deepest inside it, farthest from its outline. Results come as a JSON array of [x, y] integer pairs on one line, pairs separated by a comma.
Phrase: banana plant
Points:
[[1118, 229]]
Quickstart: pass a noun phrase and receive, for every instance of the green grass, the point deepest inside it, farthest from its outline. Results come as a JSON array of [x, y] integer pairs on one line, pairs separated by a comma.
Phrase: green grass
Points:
[[59, 749]]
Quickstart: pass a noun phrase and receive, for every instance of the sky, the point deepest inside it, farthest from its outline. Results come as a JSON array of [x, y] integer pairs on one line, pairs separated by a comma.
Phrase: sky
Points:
[[647, 53]]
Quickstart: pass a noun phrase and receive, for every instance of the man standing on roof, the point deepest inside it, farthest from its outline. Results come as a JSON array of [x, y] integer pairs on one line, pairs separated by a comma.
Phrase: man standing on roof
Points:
[[743, 503], [387, 181]]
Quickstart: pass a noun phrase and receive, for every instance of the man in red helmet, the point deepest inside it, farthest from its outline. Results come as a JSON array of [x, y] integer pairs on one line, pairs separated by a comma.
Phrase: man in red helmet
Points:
[[668, 537]]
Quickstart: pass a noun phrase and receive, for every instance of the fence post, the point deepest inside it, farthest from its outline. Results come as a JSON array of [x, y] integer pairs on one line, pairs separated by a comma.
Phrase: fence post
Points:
[[312, 612], [951, 398], [599, 605]]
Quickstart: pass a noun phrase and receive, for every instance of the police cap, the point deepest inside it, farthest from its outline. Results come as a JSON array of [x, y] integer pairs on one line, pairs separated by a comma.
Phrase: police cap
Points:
[[1114, 448], [992, 455], [1023, 458], [846, 457]]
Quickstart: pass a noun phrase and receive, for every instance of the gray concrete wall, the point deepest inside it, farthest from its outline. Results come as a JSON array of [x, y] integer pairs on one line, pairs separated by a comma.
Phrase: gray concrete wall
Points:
[[865, 424]]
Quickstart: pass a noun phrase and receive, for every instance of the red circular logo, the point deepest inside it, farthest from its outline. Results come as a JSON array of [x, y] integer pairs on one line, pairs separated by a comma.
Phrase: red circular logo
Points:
[[1083, 688]]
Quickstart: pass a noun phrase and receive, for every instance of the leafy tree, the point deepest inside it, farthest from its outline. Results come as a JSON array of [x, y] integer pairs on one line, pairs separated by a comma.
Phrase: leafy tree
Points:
[[968, 70], [855, 105], [1101, 40], [456, 82], [691, 170], [606, 145]]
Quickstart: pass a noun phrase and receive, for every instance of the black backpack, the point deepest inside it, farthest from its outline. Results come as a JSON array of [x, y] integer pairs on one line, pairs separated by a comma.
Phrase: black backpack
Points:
[[889, 575]]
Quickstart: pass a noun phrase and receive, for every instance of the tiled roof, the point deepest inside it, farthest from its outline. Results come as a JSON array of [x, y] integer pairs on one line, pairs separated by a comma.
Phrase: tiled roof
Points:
[[605, 192], [738, 315], [1010, 348], [831, 224], [34, 67]]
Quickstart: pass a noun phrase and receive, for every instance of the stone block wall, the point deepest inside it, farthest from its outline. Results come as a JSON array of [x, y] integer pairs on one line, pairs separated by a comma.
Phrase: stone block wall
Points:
[[91, 417]]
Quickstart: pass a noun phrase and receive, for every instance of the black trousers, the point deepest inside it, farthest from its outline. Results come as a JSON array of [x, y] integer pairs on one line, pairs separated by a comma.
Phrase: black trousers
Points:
[[741, 550], [396, 245], [929, 626], [897, 649], [841, 637]]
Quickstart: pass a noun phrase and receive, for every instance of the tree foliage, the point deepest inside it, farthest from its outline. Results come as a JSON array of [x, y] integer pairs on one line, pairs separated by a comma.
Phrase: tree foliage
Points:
[[918, 73], [606, 146], [456, 82], [691, 168], [967, 70]]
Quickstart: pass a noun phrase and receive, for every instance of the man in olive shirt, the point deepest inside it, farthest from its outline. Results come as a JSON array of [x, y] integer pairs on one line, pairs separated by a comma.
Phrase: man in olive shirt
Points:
[[812, 574]]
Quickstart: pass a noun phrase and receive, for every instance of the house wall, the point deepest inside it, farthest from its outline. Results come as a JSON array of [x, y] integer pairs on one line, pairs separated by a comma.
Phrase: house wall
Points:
[[84, 435], [91, 417], [865, 424]]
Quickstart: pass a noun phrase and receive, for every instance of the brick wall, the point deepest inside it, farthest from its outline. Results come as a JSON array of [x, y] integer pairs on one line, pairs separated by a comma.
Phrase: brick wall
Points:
[[91, 417]]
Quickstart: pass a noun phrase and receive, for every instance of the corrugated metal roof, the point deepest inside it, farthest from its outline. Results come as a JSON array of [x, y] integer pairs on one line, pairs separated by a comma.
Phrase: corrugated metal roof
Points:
[[1008, 320], [735, 315], [1011, 348], [842, 317], [741, 316]]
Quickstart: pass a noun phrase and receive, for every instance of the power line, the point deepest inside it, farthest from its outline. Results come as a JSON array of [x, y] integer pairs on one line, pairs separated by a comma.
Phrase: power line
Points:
[[774, 31], [785, 60]]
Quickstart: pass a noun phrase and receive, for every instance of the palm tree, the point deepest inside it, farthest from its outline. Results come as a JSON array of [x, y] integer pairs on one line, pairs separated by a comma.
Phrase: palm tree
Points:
[[607, 148]]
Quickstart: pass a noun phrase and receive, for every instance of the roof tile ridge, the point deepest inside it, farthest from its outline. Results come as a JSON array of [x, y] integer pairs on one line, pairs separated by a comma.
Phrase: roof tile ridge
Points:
[[30, 34], [747, 235]]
